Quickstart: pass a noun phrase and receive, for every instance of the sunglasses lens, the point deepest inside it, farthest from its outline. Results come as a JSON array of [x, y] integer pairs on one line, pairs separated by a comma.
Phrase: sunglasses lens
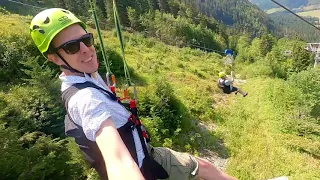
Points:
[[88, 40], [72, 47]]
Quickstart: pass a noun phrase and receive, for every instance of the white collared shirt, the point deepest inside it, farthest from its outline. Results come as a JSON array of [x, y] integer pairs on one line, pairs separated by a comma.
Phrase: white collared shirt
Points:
[[90, 107]]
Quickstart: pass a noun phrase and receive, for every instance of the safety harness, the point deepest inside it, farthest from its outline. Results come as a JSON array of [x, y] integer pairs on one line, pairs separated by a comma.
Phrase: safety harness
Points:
[[150, 169], [220, 83]]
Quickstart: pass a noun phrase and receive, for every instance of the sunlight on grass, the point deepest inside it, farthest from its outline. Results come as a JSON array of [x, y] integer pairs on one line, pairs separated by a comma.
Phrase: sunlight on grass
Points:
[[259, 149]]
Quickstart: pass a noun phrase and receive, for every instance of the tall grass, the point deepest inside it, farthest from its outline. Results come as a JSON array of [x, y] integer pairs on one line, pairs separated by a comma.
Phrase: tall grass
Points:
[[256, 131]]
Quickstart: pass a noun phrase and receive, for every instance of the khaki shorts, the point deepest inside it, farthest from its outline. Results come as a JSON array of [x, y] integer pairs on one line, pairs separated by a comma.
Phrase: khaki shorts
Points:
[[179, 166]]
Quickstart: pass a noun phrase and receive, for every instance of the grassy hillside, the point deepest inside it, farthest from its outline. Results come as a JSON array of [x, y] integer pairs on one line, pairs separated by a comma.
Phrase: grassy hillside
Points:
[[259, 132], [266, 4], [300, 11], [293, 4], [274, 10], [272, 132], [312, 2], [313, 13]]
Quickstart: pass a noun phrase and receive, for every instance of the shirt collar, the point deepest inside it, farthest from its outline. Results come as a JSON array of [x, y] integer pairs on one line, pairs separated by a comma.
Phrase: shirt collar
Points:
[[67, 81]]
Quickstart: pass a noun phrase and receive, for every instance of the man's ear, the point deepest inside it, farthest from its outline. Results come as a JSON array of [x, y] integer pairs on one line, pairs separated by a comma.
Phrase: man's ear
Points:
[[55, 59]]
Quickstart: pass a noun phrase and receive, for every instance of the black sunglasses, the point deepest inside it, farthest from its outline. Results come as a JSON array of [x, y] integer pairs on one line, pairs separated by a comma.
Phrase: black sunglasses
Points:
[[73, 46]]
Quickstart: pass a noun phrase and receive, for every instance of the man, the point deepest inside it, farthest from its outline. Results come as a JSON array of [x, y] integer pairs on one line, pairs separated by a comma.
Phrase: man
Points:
[[95, 119], [226, 85]]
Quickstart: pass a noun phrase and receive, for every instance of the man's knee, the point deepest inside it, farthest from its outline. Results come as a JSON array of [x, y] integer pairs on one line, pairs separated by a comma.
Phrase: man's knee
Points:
[[208, 171], [178, 165]]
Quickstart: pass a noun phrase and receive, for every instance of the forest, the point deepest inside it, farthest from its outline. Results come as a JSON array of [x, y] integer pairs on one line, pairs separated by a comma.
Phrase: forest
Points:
[[174, 50]]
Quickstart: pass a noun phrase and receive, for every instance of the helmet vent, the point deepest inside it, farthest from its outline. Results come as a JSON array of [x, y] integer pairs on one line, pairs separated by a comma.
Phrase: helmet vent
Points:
[[47, 20], [65, 11], [42, 31], [34, 27]]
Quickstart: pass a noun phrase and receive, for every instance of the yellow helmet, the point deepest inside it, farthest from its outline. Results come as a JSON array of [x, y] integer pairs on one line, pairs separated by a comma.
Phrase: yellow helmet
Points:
[[221, 74], [48, 23]]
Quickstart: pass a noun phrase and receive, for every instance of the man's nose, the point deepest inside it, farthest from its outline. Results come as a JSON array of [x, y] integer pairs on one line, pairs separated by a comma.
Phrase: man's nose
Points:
[[83, 48]]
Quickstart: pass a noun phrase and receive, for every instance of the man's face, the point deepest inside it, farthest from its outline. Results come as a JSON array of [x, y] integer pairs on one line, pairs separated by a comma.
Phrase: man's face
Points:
[[83, 58]]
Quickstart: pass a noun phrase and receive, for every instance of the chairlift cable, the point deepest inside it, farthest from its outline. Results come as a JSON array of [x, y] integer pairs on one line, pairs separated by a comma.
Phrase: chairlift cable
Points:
[[17, 2], [295, 14]]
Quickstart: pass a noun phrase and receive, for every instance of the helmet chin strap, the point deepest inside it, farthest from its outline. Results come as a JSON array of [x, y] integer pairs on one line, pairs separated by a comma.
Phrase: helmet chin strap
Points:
[[67, 66]]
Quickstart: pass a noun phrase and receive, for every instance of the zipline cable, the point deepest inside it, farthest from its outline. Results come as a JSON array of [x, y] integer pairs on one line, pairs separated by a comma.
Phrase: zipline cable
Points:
[[125, 66], [119, 32], [104, 54]]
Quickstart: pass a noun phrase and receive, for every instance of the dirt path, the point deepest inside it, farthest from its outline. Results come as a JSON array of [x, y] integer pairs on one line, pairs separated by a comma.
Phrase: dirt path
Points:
[[221, 101], [213, 154]]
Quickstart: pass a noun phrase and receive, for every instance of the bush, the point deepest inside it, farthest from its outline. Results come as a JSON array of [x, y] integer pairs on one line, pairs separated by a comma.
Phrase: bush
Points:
[[12, 51], [309, 83], [4, 11], [257, 69], [36, 156], [33, 109], [159, 101], [161, 110]]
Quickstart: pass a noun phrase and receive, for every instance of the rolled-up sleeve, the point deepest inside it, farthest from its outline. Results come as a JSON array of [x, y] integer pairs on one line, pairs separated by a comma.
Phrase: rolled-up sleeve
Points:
[[88, 108]]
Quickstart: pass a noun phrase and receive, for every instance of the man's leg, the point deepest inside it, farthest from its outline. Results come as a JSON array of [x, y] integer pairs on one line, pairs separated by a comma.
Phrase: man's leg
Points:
[[179, 166], [208, 171], [235, 89], [183, 166]]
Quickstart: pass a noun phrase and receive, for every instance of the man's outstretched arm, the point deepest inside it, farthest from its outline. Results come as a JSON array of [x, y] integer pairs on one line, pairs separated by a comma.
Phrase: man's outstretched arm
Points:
[[119, 163]]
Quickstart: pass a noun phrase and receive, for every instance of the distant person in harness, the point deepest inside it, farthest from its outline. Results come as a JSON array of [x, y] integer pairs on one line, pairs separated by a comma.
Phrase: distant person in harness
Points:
[[227, 85], [103, 128]]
